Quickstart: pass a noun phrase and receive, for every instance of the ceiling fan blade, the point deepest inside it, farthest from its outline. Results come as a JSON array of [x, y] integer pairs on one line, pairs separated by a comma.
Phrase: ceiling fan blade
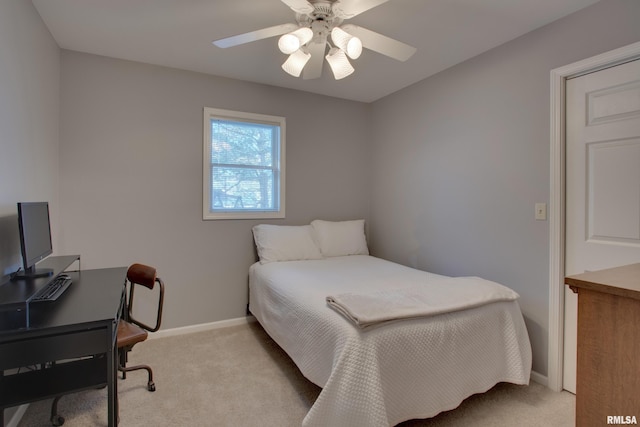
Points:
[[317, 48], [381, 44], [253, 36], [346, 9], [300, 6]]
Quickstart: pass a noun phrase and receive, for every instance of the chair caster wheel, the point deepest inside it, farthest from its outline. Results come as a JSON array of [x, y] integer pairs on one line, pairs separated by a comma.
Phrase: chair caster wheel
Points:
[[151, 386], [57, 420]]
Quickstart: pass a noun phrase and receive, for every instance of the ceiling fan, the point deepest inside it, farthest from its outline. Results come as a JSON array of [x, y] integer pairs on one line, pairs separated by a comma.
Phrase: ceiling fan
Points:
[[306, 42]]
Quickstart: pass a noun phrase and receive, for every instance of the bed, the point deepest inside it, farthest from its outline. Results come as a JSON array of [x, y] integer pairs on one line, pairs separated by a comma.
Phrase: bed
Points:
[[384, 371]]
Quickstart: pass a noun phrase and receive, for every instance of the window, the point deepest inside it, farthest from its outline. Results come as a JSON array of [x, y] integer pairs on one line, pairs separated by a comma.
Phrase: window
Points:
[[243, 168]]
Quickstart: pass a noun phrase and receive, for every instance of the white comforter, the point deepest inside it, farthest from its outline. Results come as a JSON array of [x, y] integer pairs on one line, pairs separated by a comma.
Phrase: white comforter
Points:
[[389, 373]]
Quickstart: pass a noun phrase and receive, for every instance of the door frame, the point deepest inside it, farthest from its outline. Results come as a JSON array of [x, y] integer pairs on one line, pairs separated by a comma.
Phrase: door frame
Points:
[[559, 77]]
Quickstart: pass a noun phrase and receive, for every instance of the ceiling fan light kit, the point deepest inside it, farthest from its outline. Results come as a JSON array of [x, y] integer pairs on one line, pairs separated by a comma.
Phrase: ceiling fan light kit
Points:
[[296, 62], [291, 42], [306, 43], [351, 45], [339, 63]]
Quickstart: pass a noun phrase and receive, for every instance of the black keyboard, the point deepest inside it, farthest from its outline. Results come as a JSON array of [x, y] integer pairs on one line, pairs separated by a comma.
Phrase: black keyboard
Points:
[[53, 289]]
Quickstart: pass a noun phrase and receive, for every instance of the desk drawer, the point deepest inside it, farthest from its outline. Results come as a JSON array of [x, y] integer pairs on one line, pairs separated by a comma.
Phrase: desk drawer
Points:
[[48, 348]]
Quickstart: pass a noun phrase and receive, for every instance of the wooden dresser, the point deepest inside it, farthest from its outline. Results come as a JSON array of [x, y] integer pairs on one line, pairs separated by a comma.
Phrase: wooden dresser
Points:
[[608, 366]]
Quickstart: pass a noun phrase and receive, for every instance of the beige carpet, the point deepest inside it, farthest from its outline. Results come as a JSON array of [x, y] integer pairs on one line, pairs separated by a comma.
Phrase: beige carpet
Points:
[[238, 376]]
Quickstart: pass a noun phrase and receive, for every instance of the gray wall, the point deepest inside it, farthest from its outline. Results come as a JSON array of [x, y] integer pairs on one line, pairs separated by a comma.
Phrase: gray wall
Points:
[[131, 175], [460, 159], [29, 98]]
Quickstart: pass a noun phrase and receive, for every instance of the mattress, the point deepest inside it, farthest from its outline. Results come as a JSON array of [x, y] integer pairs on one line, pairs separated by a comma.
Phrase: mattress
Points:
[[392, 372]]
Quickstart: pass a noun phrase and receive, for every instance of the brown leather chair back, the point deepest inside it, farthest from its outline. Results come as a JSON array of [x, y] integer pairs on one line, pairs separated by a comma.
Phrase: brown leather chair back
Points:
[[142, 274]]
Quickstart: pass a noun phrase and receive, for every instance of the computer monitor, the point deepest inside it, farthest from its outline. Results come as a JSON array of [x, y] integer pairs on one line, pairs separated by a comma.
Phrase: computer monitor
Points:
[[35, 237]]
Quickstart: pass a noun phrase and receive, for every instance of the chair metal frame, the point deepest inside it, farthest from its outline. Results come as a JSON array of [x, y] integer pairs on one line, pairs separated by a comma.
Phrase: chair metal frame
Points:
[[143, 275]]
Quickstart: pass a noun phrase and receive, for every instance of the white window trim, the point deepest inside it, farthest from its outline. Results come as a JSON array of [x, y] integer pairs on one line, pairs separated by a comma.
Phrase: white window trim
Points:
[[206, 163]]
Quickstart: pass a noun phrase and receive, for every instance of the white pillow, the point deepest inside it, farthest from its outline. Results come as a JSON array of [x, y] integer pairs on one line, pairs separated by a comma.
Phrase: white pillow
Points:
[[285, 243], [340, 238]]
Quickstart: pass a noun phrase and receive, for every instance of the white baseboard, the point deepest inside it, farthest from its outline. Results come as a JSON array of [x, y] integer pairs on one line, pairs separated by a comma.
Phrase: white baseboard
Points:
[[17, 416], [539, 378], [202, 327]]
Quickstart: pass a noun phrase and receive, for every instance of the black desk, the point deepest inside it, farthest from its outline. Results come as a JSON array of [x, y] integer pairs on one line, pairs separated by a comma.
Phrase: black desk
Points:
[[78, 332]]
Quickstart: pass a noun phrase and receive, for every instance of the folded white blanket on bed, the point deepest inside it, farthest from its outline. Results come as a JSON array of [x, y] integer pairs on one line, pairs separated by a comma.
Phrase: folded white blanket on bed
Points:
[[442, 296]]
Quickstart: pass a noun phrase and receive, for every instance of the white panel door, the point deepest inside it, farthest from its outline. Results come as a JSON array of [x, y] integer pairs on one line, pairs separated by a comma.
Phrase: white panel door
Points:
[[602, 182]]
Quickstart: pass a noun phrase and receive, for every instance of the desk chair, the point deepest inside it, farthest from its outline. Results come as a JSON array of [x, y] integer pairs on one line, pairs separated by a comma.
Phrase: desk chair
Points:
[[130, 330]]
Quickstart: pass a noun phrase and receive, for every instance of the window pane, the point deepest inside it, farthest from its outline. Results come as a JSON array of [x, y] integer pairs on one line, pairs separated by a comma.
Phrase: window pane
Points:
[[242, 143], [239, 188], [243, 165]]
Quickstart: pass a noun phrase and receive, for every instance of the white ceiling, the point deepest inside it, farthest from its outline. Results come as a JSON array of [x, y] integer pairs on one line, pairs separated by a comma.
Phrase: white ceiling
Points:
[[178, 33]]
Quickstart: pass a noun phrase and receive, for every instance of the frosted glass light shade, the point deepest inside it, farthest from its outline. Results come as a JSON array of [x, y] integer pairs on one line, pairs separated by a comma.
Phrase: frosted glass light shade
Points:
[[339, 63], [348, 43], [296, 62], [292, 41]]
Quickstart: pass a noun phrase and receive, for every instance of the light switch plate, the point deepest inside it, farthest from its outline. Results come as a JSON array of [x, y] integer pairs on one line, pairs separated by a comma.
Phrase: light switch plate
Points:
[[541, 211]]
